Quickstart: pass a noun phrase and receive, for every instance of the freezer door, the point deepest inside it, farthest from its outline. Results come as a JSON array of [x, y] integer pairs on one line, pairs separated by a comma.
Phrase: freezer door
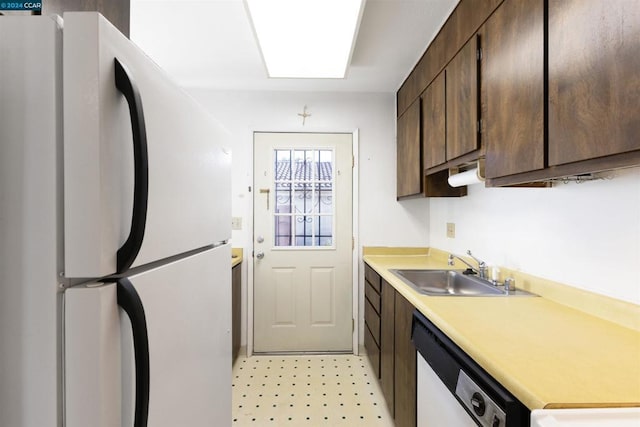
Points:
[[187, 317], [129, 129], [30, 135]]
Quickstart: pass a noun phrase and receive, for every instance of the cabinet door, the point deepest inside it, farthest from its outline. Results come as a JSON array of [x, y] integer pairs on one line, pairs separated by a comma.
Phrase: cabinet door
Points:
[[387, 345], [405, 365], [409, 152], [373, 351], [512, 81], [594, 79], [372, 277], [236, 310], [462, 102], [434, 123], [372, 321]]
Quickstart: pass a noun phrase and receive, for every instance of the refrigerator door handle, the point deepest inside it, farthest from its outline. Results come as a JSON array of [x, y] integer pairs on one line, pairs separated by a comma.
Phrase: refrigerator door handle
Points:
[[129, 250], [130, 302]]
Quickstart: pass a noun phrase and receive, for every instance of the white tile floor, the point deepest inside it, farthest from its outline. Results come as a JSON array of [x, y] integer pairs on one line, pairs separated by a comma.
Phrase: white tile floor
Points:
[[322, 390]]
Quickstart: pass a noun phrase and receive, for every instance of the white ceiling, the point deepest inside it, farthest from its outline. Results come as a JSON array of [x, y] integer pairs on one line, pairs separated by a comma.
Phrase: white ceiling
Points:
[[210, 44]]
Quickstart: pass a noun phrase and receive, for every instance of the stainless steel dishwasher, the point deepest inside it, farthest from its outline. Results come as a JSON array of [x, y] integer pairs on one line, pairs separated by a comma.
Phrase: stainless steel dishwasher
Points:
[[453, 390]]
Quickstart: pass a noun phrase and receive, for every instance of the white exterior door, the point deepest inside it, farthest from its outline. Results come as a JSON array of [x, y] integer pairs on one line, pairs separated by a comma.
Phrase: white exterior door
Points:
[[302, 242]]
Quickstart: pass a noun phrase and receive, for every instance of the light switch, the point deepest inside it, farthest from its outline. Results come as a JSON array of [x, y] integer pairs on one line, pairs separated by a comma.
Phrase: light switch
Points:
[[236, 223]]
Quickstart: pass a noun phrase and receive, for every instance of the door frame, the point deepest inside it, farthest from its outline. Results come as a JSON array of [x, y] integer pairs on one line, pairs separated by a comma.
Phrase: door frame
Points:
[[355, 196]]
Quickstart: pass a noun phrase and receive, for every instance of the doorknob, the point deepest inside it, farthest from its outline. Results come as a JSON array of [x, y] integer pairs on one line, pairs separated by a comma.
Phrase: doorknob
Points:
[[260, 255]]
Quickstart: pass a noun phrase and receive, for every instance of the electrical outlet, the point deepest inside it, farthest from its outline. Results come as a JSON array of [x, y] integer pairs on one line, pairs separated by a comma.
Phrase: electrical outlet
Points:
[[451, 230], [236, 223]]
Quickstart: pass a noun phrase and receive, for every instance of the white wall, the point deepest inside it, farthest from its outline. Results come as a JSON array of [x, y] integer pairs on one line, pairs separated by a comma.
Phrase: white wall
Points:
[[584, 235], [382, 221]]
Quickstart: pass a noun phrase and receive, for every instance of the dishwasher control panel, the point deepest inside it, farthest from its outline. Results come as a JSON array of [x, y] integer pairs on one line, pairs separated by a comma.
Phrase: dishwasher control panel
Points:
[[485, 410]]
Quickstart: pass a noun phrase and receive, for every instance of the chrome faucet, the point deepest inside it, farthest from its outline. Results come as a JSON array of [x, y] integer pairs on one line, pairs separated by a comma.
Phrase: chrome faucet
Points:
[[482, 266]]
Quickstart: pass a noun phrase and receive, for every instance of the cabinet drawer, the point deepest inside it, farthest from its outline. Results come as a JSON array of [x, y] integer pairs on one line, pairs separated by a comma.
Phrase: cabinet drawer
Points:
[[372, 296], [373, 351], [372, 321], [372, 277]]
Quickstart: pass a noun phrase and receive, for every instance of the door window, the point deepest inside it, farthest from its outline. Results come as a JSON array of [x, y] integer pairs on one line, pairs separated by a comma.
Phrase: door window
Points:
[[304, 192]]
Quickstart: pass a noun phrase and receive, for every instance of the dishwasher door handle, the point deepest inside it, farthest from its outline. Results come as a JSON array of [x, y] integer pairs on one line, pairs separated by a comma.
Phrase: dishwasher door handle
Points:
[[477, 402]]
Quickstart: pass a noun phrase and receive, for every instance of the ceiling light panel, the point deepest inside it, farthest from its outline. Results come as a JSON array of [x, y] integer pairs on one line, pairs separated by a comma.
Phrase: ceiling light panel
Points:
[[306, 38]]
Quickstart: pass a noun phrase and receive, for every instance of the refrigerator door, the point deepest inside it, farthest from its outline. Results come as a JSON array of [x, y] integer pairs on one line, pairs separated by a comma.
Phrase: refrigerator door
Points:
[[129, 129], [30, 237], [187, 312]]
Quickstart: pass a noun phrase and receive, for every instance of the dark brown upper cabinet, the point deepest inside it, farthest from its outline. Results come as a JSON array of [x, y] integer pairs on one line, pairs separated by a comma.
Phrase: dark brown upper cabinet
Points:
[[413, 134], [558, 85], [594, 80], [409, 152], [512, 88], [434, 141], [462, 102], [463, 22], [434, 123]]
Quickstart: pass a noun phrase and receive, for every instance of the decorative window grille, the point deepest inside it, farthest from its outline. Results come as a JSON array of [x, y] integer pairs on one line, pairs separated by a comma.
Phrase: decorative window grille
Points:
[[304, 192]]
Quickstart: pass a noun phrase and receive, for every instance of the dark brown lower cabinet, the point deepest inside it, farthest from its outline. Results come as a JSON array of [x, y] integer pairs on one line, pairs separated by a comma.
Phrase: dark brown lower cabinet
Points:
[[372, 318], [397, 357], [236, 309], [373, 351], [405, 365], [387, 344]]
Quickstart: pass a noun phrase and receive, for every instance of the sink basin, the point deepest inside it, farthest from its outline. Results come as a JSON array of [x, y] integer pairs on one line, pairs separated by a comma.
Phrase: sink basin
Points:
[[451, 283]]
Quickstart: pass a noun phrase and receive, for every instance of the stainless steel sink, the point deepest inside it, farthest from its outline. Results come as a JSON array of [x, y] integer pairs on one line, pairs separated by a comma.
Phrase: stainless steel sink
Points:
[[452, 283]]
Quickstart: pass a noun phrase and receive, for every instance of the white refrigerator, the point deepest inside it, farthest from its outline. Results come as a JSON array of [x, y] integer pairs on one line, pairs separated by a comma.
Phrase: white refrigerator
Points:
[[115, 220]]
